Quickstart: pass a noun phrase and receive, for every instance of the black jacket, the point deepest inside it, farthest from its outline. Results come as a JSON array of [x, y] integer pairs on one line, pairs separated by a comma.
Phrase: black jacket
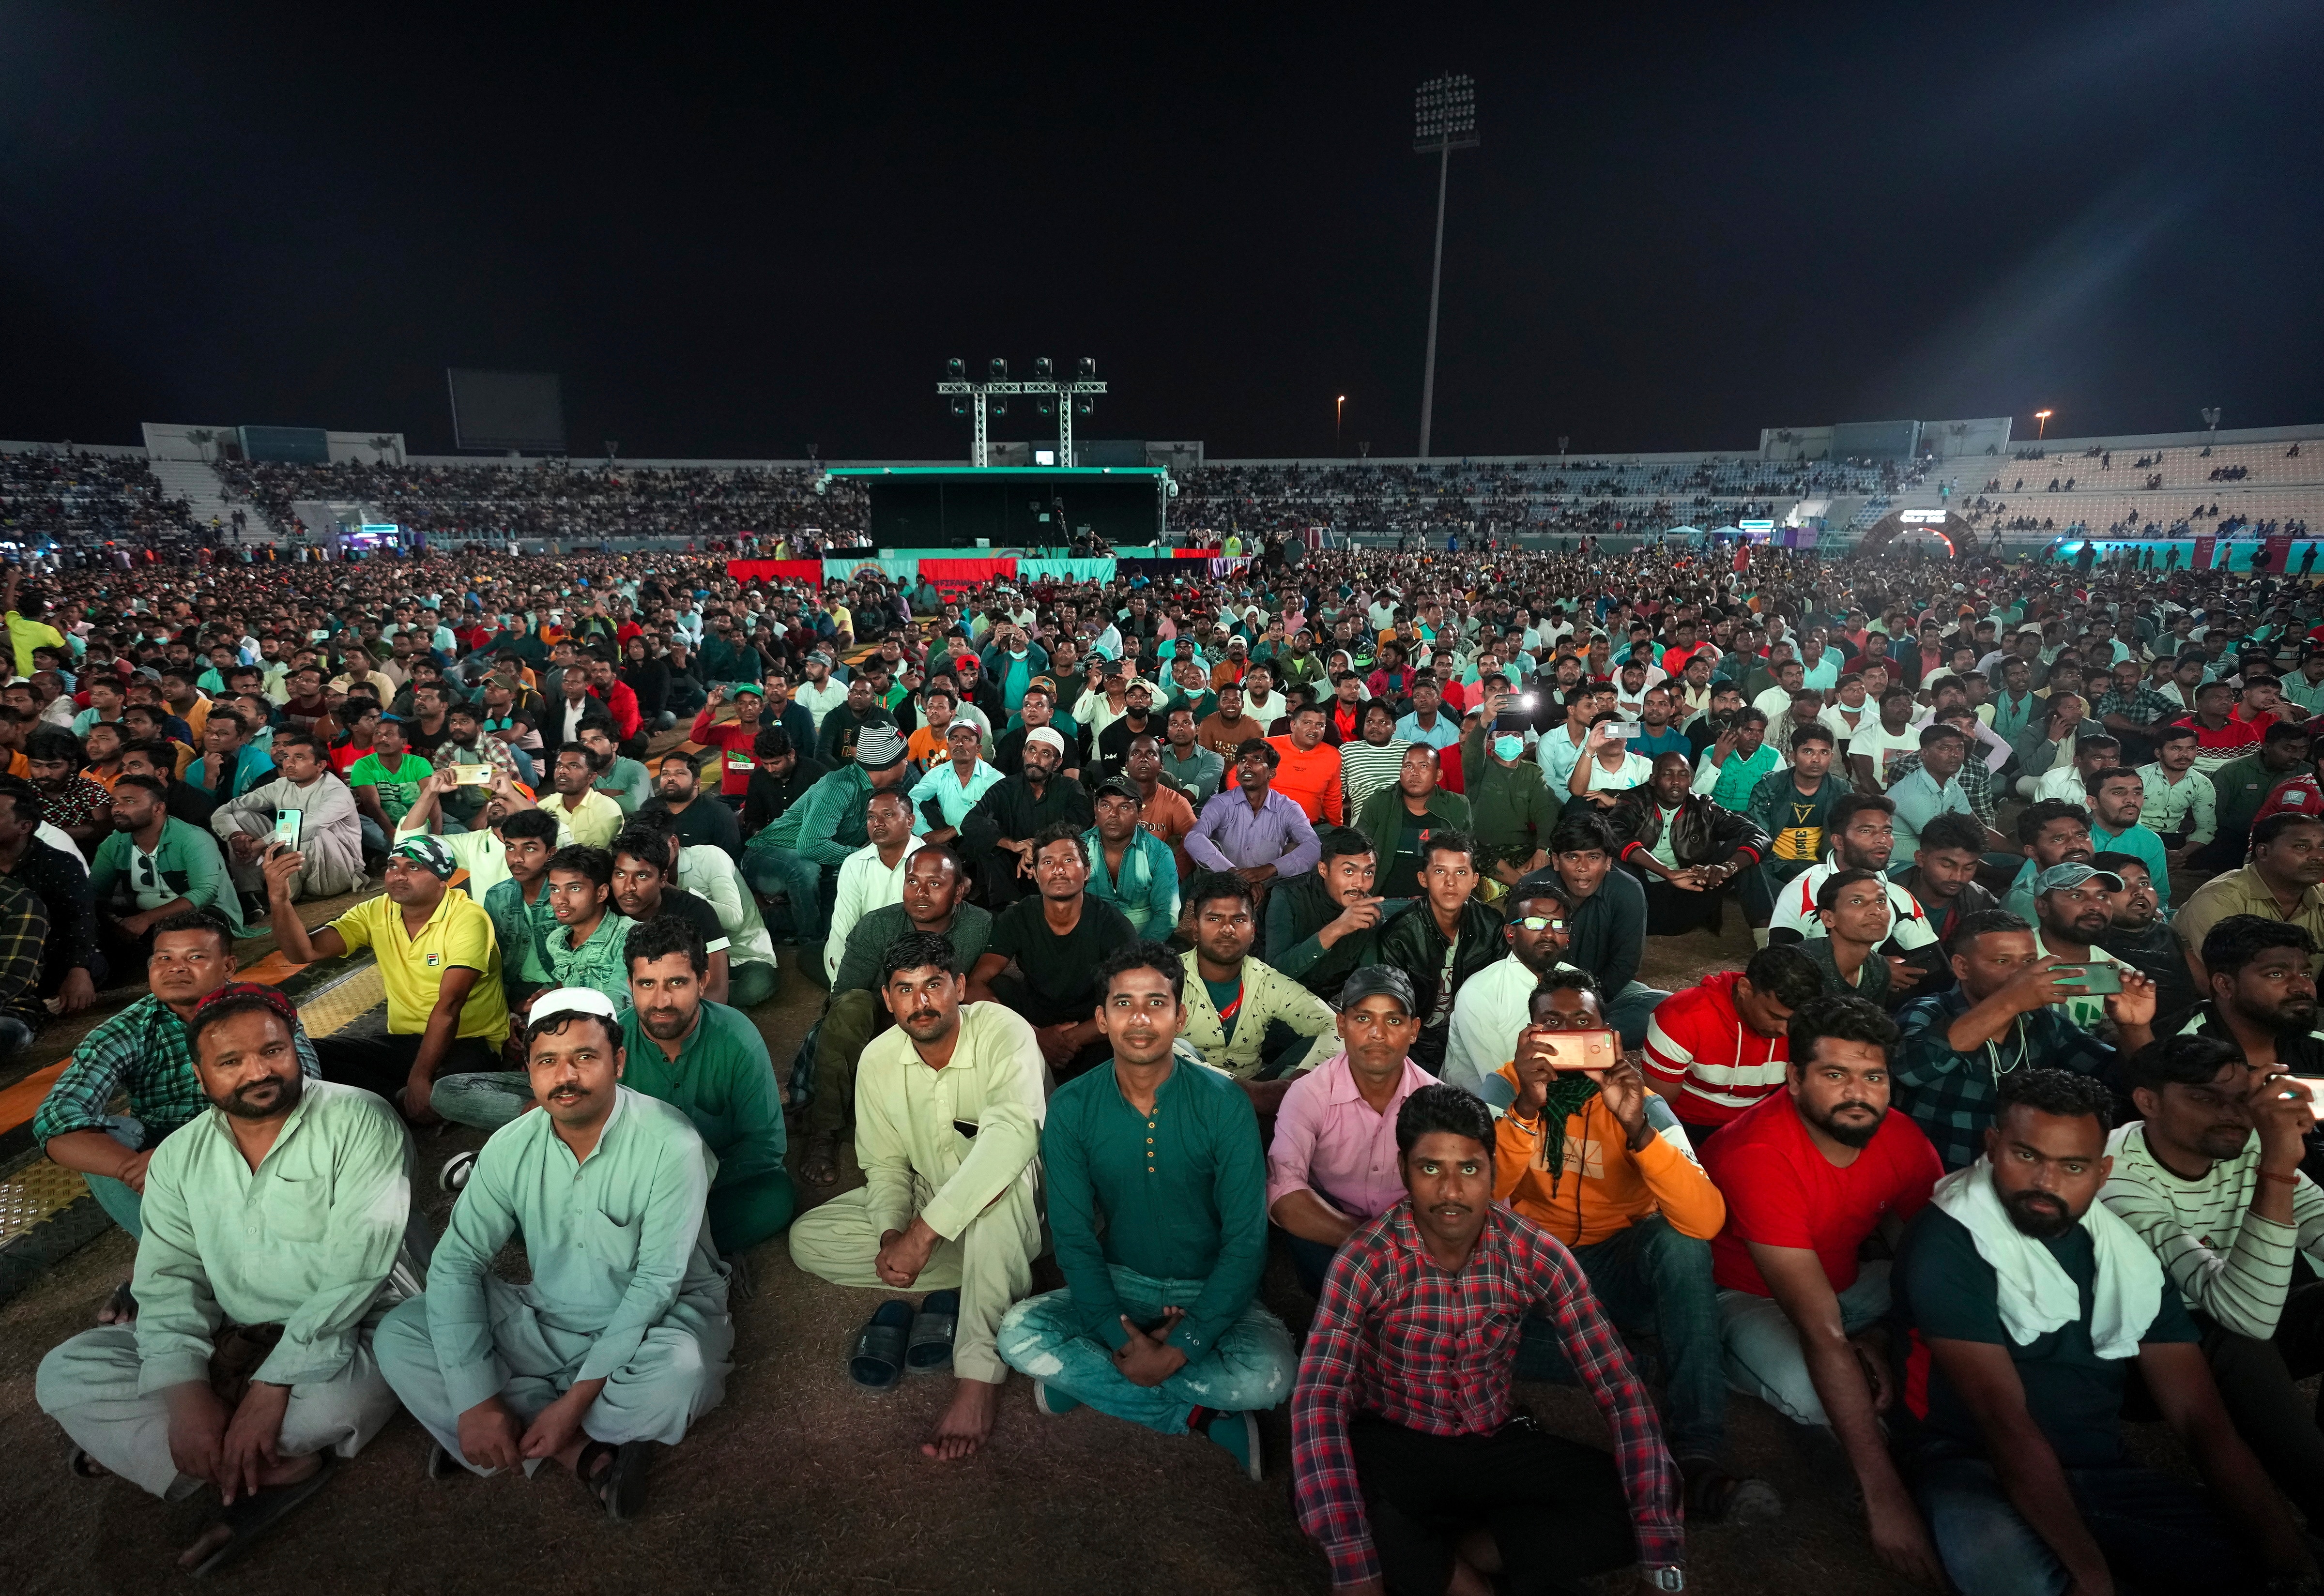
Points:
[[1701, 833], [1413, 942]]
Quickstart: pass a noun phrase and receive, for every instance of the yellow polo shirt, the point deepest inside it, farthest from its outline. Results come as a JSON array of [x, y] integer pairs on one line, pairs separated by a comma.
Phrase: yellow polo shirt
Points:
[[458, 935]]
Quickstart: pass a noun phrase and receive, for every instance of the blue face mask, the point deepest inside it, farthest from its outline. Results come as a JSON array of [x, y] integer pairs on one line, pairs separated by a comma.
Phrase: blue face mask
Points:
[[1509, 748]]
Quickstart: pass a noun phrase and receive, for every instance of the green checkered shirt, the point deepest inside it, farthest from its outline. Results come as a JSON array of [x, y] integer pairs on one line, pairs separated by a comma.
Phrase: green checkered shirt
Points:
[[144, 1051]]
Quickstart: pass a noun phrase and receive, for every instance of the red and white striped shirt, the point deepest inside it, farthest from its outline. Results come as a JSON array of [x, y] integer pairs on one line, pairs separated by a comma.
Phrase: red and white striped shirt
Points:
[[1704, 1060]]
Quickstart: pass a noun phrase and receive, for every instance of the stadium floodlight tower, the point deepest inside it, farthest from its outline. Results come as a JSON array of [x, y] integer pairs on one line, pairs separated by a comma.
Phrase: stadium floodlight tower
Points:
[[1076, 395], [1443, 119]]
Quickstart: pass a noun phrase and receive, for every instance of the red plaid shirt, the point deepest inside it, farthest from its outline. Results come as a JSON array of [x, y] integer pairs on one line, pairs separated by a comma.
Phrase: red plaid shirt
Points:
[[1396, 1335]]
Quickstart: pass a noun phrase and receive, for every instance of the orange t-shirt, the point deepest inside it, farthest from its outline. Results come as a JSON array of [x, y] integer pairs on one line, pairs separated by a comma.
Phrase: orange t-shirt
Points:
[[1310, 779]]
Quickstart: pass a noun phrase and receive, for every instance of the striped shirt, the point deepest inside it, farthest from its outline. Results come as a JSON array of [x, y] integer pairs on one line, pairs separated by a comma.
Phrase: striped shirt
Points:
[[2227, 1261], [1365, 768]]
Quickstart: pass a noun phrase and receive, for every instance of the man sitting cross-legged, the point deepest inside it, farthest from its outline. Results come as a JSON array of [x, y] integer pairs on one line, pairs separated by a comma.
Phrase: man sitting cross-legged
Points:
[[2026, 1301], [1601, 1162], [622, 1337], [273, 1222], [948, 1111], [1411, 1465], [2210, 1176], [1808, 1173], [1157, 1195]]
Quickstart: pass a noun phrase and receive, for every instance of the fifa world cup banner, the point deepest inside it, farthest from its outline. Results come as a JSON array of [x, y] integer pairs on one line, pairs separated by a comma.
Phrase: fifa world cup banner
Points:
[[2201, 558]]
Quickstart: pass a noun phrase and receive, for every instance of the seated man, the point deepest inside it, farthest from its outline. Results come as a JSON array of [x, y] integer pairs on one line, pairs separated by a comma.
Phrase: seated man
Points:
[[1233, 1001], [522, 911], [622, 1337], [153, 867], [1721, 1047], [2004, 1015], [272, 1226], [1321, 923], [1942, 883], [1852, 906], [1156, 1188], [1326, 1165], [447, 1012], [996, 835], [643, 890], [1863, 837], [1606, 920], [2051, 833], [1059, 940], [2210, 1176], [330, 830], [1639, 1220], [1253, 830], [1808, 1175], [1496, 1003], [1686, 851], [1130, 867], [2262, 997], [2025, 1301], [145, 1053], [1449, 937], [585, 948], [2283, 881], [872, 876], [949, 1106], [2137, 935], [1406, 1438], [935, 901]]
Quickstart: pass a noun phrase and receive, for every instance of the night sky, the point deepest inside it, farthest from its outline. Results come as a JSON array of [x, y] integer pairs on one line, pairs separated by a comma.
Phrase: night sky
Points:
[[733, 239]]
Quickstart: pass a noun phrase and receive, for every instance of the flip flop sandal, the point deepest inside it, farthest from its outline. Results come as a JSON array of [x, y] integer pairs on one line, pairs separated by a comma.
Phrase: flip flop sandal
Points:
[[249, 1518], [621, 1484], [877, 1362], [741, 1285], [84, 1467], [441, 1464], [928, 1349]]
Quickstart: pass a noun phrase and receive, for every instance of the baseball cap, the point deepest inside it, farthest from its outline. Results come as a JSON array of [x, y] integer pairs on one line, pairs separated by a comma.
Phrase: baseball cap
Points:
[[1119, 786], [1378, 981], [2059, 877]]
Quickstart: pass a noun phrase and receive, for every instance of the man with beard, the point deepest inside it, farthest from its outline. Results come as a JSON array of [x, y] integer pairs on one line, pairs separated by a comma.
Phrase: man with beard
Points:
[[79, 807], [1409, 1456], [1686, 849], [2182, 802], [2116, 796], [817, 691], [2050, 833], [809, 842], [949, 1107], [779, 777], [1186, 765], [836, 732], [438, 960], [2138, 936], [1242, 1016], [2283, 881], [1130, 867], [2071, 905], [591, 815], [1254, 831], [1606, 922], [1495, 1003], [1809, 1175], [1059, 939], [612, 772], [1400, 816], [2262, 997], [2026, 1301], [1448, 937], [2210, 1178], [272, 1223], [644, 889], [151, 867], [1156, 1191], [1111, 753], [1942, 880], [700, 821], [2006, 1014], [1933, 787], [998, 833], [622, 1337]]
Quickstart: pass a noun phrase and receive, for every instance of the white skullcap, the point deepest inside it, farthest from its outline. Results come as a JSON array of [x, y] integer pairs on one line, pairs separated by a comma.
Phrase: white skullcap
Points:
[[1047, 735]]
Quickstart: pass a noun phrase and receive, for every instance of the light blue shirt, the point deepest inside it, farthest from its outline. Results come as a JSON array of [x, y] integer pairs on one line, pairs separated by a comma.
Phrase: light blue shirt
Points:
[[1558, 754], [1147, 891], [953, 799], [1919, 799], [2143, 844], [1443, 734]]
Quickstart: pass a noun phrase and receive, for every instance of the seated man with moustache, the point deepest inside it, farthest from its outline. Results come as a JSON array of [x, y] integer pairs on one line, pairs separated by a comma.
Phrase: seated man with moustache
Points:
[[1412, 1465], [1321, 923], [272, 1225], [622, 1337], [1242, 1016], [1686, 851], [949, 1107]]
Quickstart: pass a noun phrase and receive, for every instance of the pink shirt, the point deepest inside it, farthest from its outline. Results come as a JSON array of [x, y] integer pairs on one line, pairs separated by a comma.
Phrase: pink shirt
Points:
[[1328, 1141]]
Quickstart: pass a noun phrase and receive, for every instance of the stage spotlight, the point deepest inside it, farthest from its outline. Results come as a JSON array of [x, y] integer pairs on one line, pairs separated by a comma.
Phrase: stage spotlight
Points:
[[956, 371], [1000, 369], [1044, 370], [1085, 370]]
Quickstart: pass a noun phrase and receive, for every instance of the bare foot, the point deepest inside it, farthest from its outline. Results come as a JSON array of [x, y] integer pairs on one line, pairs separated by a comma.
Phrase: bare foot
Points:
[[818, 1160], [967, 1423], [120, 1308]]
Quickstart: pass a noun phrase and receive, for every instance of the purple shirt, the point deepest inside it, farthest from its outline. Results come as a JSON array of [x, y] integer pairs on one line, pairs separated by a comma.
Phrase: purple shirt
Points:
[[1328, 1141], [1233, 835]]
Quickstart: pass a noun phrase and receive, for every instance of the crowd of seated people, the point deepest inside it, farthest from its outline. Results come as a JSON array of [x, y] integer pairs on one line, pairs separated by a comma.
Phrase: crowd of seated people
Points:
[[1162, 927], [76, 496]]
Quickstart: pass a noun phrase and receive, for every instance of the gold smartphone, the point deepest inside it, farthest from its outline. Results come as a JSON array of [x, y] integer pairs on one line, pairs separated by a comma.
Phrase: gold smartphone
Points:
[[472, 775], [1581, 1049]]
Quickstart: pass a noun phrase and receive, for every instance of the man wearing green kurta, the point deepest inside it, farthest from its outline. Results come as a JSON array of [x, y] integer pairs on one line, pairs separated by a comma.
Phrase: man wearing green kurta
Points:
[[622, 1337], [705, 1059], [280, 1210], [1156, 1197], [948, 1109]]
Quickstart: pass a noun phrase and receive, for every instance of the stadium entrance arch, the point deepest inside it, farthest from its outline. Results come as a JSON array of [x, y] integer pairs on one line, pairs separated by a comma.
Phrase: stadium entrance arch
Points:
[[1921, 529]]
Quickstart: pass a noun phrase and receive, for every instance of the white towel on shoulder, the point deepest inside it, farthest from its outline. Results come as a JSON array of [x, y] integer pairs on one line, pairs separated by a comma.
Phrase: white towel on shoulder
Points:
[[2036, 1294]]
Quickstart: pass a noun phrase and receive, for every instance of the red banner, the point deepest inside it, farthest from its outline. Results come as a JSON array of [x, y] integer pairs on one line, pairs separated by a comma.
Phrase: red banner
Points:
[[2201, 560], [809, 571], [955, 575], [2279, 551]]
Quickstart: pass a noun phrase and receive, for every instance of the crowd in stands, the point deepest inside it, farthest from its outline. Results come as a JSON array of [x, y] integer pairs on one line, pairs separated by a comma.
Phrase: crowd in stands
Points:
[[70, 496], [1166, 925]]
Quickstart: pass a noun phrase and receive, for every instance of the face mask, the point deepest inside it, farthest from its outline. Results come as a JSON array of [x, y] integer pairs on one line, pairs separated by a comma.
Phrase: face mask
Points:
[[1509, 748], [1017, 653]]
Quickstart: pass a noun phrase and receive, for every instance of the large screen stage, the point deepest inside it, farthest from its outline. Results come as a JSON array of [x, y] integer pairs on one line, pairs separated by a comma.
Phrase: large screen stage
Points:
[[1013, 507]]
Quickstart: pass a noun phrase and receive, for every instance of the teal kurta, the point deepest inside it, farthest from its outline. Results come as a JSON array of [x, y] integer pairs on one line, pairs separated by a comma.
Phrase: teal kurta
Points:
[[722, 1080], [305, 1241], [598, 962], [190, 862], [619, 1245]]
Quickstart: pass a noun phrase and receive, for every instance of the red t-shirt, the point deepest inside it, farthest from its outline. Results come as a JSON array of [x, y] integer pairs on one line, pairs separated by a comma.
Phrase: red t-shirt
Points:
[[1780, 1191]]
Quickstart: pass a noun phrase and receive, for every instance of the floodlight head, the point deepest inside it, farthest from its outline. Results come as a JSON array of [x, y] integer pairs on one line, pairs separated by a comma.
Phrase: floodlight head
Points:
[[960, 406], [997, 406], [1045, 406], [1083, 404], [1044, 370], [1444, 114], [1000, 369], [956, 371], [1085, 369]]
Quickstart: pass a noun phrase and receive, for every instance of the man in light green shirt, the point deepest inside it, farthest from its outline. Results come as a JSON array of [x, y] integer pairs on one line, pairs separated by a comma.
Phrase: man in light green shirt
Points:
[[622, 1337], [282, 1210], [942, 1208], [625, 780]]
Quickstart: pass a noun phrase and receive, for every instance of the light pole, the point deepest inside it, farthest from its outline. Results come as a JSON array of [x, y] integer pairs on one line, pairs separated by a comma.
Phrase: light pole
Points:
[[2041, 429], [2211, 419], [1339, 409], [1443, 119]]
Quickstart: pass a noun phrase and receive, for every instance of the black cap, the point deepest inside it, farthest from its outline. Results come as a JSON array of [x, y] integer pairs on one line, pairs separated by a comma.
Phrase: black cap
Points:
[[1380, 981]]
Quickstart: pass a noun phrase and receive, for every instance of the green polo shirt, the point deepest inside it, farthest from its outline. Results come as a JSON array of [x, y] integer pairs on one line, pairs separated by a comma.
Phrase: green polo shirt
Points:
[[723, 1080], [398, 789]]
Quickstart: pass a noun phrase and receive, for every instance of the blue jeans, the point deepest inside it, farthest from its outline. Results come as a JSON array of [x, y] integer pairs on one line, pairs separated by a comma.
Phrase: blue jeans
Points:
[[122, 1205], [1631, 1009], [769, 870], [2161, 1535], [1250, 1367], [1648, 1277], [374, 840], [1763, 1346], [15, 1035]]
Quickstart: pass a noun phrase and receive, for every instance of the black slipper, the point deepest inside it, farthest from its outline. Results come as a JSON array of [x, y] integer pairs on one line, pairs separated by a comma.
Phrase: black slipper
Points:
[[254, 1515], [929, 1347], [621, 1484], [876, 1363]]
